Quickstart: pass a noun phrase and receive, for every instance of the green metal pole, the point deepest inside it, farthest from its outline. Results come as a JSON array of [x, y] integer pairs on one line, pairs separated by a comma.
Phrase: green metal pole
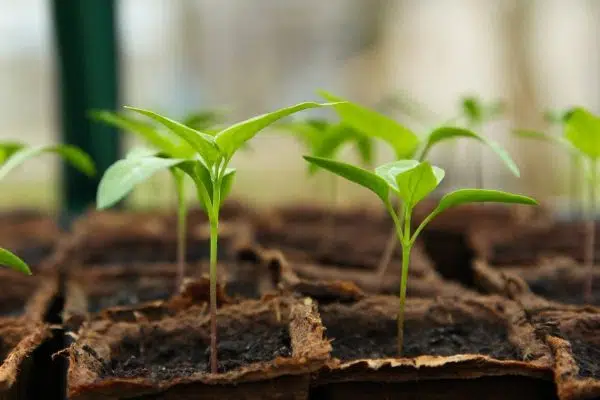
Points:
[[86, 44]]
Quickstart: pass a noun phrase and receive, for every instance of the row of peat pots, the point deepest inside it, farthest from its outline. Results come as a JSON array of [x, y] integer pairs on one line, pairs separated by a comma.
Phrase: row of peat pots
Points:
[[495, 308]]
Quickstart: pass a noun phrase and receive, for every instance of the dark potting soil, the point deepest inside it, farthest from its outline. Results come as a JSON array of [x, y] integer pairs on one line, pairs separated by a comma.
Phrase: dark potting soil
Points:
[[566, 292], [127, 297], [587, 356], [34, 254], [160, 355], [366, 337]]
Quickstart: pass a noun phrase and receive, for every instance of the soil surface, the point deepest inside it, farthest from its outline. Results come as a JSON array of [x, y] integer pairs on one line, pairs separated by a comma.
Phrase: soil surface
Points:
[[365, 337], [564, 291], [127, 297], [161, 355], [451, 255], [587, 356], [34, 254]]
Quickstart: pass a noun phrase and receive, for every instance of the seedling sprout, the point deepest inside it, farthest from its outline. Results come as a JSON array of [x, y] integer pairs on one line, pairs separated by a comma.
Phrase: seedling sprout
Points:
[[208, 167], [12, 155], [411, 181]]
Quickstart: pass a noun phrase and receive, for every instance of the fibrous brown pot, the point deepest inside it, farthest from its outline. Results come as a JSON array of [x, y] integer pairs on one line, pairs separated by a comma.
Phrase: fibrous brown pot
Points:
[[573, 336], [454, 348], [268, 349], [557, 283]]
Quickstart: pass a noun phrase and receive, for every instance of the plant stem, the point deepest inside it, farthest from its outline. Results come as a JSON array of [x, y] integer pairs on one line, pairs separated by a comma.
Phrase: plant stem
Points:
[[214, 233], [401, 304], [390, 247], [181, 230], [589, 251]]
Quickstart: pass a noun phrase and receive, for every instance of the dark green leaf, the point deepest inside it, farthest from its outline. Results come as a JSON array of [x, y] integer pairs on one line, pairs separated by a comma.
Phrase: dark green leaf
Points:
[[121, 177], [464, 196], [71, 154], [365, 178], [373, 124], [202, 143], [8, 259], [583, 132], [232, 138]]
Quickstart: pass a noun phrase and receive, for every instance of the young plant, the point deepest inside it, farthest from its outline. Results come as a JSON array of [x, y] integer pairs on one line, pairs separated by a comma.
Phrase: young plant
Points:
[[12, 155], [171, 146], [209, 169], [406, 145], [411, 181], [582, 140]]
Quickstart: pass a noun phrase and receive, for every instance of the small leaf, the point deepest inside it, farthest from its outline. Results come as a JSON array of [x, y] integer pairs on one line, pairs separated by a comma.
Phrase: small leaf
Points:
[[121, 177], [203, 120], [411, 180], [472, 109], [170, 144], [365, 178], [464, 196], [71, 154], [227, 183], [7, 149], [373, 124], [201, 142], [232, 138], [582, 130], [8, 259], [331, 139]]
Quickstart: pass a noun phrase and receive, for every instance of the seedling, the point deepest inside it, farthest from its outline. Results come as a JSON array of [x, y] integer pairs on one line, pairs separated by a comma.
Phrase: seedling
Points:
[[411, 181], [209, 169], [12, 155], [581, 138], [406, 145]]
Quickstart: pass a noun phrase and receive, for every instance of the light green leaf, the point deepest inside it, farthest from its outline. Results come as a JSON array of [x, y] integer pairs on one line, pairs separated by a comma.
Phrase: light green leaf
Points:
[[8, 148], [137, 152], [365, 178], [71, 154], [331, 139], [121, 177], [204, 120], [364, 146], [412, 180], [227, 183], [8, 259], [464, 196], [201, 142], [373, 124], [472, 109], [170, 144], [232, 138], [582, 130], [531, 134]]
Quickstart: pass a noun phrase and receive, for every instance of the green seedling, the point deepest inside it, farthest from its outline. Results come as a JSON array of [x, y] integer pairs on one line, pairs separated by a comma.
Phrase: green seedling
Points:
[[582, 140], [406, 145], [477, 114], [209, 169], [12, 155], [411, 181]]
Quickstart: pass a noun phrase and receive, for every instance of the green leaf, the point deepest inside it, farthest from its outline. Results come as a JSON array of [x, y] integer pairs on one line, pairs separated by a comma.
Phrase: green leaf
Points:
[[365, 178], [8, 259], [203, 120], [232, 138], [373, 124], [170, 144], [227, 183], [448, 132], [8, 148], [472, 109], [329, 143], [202, 143], [582, 130], [137, 152], [464, 196], [364, 146], [71, 154], [121, 177], [412, 180]]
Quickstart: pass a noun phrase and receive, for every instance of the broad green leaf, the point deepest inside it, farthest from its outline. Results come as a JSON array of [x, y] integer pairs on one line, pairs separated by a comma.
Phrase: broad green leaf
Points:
[[121, 177], [464, 196], [8, 259], [373, 124], [582, 130], [201, 142], [170, 144], [364, 146], [71, 154], [391, 170], [447, 133], [365, 178], [7, 149], [232, 138]]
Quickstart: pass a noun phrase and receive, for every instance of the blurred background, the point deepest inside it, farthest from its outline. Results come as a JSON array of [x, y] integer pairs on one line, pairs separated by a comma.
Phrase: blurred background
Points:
[[246, 57]]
